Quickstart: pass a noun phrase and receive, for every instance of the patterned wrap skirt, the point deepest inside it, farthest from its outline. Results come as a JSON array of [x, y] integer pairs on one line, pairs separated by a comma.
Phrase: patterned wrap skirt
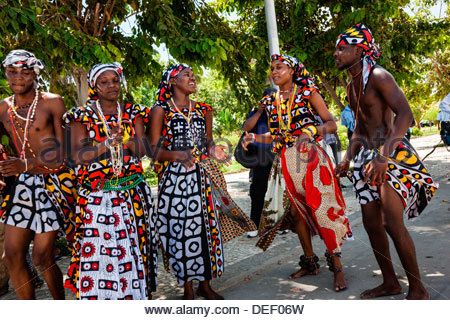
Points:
[[303, 177], [188, 224], [41, 202], [115, 252], [406, 175]]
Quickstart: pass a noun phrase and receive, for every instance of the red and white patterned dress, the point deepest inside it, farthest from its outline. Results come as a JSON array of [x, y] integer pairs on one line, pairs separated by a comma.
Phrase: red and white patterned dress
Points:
[[302, 176], [114, 253]]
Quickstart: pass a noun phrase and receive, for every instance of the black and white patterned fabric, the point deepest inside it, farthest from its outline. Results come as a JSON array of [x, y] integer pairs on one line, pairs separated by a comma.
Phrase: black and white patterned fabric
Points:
[[188, 225], [406, 175], [38, 202]]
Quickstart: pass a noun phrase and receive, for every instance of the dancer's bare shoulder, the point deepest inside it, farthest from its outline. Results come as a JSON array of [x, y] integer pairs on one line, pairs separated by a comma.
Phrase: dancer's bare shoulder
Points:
[[52, 102], [382, 80], [4, 105]]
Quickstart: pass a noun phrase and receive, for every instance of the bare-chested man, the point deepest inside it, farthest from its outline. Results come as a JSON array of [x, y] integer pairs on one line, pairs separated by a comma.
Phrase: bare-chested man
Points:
[[388, 176], [39, 198]]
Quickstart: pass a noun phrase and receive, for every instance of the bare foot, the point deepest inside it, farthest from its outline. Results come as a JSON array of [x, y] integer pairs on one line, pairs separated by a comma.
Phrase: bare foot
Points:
[[335, 266], [208, 293], [188, 291], [381, 291], [339, 281], [188, 295], [303, 272], [421, 294]]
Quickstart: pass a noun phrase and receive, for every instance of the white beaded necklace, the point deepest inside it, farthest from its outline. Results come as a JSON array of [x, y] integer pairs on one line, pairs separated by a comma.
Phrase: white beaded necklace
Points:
[[28, 120], [32, 107], [117, 150]]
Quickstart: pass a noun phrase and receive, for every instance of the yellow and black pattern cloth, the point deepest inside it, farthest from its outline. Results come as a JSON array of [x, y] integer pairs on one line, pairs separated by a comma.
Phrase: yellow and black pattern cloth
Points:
[[41, 202], [406, 175], [301, 115]]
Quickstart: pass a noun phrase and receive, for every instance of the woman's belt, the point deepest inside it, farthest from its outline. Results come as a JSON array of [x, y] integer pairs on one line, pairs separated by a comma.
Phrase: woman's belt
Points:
[[115, 184]]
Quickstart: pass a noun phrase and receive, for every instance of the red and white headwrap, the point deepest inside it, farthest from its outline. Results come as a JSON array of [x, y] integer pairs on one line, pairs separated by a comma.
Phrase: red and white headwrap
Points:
[[97, 70], [165, 88], [359, 35]]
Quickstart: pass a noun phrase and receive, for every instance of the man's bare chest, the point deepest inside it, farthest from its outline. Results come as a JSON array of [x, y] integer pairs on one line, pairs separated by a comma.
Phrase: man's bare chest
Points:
[[25, 120]]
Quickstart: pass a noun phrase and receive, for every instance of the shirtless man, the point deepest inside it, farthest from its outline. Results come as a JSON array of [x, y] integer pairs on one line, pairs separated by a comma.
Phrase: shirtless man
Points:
[[388, 176], [39, 198]]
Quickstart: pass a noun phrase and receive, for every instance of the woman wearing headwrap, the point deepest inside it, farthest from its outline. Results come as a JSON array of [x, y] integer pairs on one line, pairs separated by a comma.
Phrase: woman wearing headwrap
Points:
[[389, 178], [38, 195], [191, 188], [302, 187], [114, 253]]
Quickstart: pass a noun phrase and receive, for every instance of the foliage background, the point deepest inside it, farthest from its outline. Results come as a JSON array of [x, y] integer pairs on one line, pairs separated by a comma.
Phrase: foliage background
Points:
[[225, 41]]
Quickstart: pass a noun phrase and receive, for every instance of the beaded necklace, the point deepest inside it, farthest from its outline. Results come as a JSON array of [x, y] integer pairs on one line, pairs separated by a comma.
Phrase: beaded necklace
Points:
[[117, 150], [15, 124], [283, 125], [28, 121], [32, 108]]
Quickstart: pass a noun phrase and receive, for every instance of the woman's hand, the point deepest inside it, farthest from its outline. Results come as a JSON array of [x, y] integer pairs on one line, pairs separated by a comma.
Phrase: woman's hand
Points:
[[219, 153], [301, 141], [116, 134], [186, 159], [342, 168]]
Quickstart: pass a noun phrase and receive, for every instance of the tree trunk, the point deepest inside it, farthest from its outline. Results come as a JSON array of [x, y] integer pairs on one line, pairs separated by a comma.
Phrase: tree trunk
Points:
[[332, 92], [80, 76]]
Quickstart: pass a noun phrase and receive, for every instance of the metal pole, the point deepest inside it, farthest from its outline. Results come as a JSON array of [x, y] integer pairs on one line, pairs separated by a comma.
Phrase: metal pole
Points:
[[271, 22]]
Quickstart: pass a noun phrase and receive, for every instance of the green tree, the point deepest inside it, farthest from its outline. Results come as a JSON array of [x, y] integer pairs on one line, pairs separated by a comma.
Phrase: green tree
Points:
[[70, 36], [308, 30], [226, 36], [229, 112]]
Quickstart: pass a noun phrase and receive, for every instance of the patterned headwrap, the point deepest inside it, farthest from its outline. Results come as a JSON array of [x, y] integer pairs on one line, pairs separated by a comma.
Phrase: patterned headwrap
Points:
[[23, 59], [97, 70], [165, 89], [301, 76], [361, 36]]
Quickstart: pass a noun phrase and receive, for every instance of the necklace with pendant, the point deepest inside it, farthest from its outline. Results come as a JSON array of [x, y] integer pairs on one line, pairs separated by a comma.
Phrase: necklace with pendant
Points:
[[283, 126], [115, 150]]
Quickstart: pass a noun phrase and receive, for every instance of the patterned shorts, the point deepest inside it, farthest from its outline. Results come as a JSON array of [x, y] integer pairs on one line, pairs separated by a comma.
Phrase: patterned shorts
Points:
[[37, 202], [406, 175]]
